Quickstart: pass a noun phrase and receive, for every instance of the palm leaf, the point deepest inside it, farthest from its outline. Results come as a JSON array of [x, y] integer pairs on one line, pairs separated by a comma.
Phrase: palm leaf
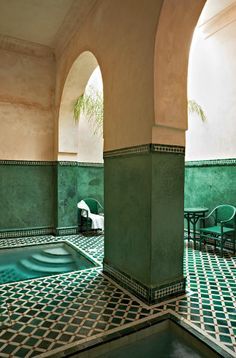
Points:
[[194, 107], [91, 105]]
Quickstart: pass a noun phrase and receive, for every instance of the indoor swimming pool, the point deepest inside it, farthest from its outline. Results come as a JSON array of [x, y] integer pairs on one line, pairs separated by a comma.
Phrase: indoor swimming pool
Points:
[[35, 261]]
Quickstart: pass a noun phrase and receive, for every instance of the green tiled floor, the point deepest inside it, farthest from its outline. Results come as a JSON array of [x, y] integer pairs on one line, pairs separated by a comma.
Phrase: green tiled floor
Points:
[[54, 312]]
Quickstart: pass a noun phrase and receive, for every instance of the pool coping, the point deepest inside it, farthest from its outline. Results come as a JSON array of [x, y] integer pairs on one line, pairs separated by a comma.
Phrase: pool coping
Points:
[[88, 345]]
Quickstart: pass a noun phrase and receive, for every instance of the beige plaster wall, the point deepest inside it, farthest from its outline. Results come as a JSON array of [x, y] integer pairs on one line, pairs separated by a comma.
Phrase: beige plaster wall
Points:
[[122, 38], [175, 30], [212, 69], [27, 78]]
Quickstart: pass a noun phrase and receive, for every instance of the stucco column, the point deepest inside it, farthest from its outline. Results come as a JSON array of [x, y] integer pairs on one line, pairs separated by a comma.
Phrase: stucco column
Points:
[[144, 192]]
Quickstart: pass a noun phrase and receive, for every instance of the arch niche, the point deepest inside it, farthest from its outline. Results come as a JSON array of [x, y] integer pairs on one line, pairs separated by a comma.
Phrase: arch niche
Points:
[[74, 86]]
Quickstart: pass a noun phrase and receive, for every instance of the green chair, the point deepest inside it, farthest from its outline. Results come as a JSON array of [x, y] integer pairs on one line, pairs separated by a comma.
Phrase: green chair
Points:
[[84, 222], [219, 226]]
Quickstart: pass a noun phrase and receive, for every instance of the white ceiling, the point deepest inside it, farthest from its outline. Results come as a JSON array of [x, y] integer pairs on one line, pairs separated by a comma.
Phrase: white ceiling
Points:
[[33, 20]]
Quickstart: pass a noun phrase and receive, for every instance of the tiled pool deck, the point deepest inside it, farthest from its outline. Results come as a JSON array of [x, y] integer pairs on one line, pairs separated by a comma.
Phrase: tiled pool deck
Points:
[[50, 315]]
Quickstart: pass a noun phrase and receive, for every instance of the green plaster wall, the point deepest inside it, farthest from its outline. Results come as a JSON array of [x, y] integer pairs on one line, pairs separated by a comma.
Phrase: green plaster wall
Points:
[[76, 182], [66, 195], [27, 196], [45, 195], [144, 220], [210, 185], [167, 218], [128, 214], [91, 182]]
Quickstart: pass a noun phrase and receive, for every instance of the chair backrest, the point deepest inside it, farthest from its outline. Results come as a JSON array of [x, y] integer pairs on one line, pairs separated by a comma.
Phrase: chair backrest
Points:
[[224, 212], [93, 205]]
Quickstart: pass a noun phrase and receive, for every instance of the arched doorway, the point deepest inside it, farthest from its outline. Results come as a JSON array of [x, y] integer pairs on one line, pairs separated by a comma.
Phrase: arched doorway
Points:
[[80, 151]]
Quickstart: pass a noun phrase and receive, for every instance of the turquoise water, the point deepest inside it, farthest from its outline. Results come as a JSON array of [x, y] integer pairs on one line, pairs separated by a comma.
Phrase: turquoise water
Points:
[[24, 263]]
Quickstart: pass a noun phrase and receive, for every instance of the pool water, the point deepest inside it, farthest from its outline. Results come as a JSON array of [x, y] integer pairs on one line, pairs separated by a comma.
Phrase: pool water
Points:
[[24, 263], [163, 340]]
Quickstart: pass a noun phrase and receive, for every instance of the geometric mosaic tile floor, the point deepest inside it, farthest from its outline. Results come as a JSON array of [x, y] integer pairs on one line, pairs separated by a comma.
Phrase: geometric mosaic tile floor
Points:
[[49, 314]]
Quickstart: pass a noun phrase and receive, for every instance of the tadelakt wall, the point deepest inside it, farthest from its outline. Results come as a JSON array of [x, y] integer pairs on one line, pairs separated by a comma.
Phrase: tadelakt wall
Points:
[[210, 167], [27, 77]]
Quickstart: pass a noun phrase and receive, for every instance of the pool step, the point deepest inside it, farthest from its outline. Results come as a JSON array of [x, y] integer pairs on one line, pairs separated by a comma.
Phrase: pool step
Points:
[[30, 265], [51, 260], [56, 251]]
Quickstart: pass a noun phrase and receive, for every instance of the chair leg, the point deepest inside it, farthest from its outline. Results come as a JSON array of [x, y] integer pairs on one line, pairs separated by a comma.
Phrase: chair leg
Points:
[[221, 247]]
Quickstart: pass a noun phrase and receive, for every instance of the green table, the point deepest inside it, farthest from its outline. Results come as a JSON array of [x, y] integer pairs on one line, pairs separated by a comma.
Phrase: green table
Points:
[[192, 215]]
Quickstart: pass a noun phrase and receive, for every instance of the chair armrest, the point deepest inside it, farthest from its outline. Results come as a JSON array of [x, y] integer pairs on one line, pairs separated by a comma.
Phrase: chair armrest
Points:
[[226, 221], [100, 208], [208, 216]]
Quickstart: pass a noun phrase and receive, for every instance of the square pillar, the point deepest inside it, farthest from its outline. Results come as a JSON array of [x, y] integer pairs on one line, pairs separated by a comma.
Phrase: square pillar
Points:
[[144, 214]]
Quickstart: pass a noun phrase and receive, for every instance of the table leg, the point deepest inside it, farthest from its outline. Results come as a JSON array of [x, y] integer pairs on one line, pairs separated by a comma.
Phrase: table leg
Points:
[[188, 221], [194, 232]]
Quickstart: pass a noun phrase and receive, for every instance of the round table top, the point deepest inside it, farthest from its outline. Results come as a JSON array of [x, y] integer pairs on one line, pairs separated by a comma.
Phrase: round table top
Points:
[[195, 210]]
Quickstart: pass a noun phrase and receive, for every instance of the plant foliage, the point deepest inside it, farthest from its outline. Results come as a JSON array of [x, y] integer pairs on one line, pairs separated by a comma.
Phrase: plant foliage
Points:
[[91, 105], [194, 107]]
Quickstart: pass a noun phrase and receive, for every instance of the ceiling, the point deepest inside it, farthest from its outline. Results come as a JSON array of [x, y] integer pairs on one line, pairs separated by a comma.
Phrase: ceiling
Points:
[[33, 20], [40, 21]]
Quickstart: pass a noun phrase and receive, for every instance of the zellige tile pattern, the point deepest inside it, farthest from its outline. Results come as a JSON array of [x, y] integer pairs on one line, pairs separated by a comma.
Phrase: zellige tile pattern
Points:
[[53, 312]]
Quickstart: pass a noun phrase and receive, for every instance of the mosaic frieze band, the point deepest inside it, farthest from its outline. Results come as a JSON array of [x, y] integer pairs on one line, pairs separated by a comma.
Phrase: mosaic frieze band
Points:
[[26, 162], [210, 163], [67, 230], [25, 232], [146, 294], [43, 163], [144, 149], [147, 148], [14, 233]]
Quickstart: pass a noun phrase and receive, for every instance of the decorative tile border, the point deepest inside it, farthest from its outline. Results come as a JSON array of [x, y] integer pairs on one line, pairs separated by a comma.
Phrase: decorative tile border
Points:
[[26, 162], [68, 163], [87, 164], [139, 149], [161, 148], [176, 288], [44, 162], [211, 163], [146, 294], [144, 149], [26, 232], [71, 230]]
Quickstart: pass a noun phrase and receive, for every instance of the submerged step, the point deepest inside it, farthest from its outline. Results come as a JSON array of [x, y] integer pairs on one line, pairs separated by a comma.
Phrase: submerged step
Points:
[[56, 251], [31, 266], [52, 260]]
